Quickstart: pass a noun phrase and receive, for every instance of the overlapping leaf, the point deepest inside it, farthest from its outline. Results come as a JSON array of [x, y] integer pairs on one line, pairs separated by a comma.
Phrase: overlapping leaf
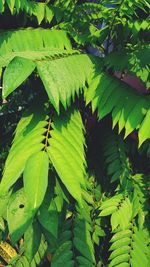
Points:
[[74, 243], [48, 214], [64, 142], [25, 260], [66, 151], [128, 248], [28, 140], [116, 160], [15, 42], [59, 69], [136, 62], [36, 173], [40, 10], [63, 78], [63, 252], [129, 108], [32, 240], [83, 243], [19, 69], [120, 209]]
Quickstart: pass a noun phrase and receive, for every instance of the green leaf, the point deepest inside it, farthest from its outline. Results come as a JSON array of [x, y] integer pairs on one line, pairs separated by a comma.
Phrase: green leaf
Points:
[[66, 151], [22, 40], [121, 234], [127, 108], [21, 262], [125, 241], [140, 249], [114, 220], [19, 215], [39, 11], [108, 211], [2, 224], [41, 253], [48, 216], [144, 132], [3, 203], [83, 248], [32, 239], [11, 4], [19, 43], [122, 216], [119, 259], [82, 238], [28, 140], [63, 79], [119, 251], [84, 262], [36, 173], [63, 255], [2, 6], [113, 201], [16, 72], [108, 94], [136, 115], [49, 14]]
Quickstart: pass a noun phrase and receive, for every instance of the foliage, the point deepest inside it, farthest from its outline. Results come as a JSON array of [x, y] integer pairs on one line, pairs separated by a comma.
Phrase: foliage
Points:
[[73, 191]]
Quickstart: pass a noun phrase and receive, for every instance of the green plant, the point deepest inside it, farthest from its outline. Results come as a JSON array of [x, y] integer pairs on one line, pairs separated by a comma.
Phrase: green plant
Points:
[[73, 192]]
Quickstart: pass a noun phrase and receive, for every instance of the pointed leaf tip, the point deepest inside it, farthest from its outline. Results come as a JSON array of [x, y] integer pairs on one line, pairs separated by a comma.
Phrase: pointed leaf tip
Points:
[[15, 74]]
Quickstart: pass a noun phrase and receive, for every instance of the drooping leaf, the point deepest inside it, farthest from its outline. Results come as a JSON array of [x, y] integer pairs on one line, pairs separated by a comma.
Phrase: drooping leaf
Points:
[[128, 107], [28, 140], [36, 173], [63, 79], [66, 151], [144, 132]]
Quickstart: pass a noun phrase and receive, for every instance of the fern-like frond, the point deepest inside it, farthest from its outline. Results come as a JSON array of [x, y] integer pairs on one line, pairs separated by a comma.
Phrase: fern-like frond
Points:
[[48, 215], [22, 64], [66, 151], [27, 141], [44, 54], [128, 8], [40, 10], [129, 248], [88, 11], [135, 62], [64, 251], [22, 41], [120, 209], [38, 259], [74, 244], [21, 262], [32, 241], [63, 78], [116, 160], [140, 199], [82, 239], [60, 74], [64, 142], [130, 110], [53, 63]]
